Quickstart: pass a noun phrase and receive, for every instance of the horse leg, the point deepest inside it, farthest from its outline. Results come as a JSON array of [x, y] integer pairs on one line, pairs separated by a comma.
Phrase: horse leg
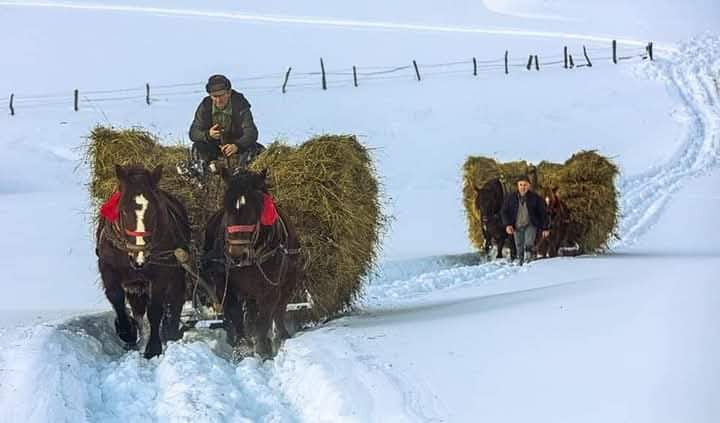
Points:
[[280, 312], [499, 243], [262, 327], [155, 315], [125, 326], [542, 246], [175, 298], [513, 247], [487, 242], [233, 320], [511, 239], [250, 317]]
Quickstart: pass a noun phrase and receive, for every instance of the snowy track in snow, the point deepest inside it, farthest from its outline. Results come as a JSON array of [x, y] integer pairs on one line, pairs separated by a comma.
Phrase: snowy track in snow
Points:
[[92, 378], [691, 73]]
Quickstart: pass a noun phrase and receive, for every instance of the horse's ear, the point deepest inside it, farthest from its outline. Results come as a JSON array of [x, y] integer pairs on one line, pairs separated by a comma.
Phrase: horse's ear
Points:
[[120, 172], [156, 175]]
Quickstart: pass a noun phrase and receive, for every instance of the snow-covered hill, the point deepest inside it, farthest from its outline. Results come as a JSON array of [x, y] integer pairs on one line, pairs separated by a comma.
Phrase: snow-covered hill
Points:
[[628, 336]]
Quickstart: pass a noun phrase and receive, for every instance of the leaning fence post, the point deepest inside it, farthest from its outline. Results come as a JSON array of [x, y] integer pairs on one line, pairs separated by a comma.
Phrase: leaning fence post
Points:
[[589, 63], [76, 100], [565, 54], [506, 62], [417, 71], [650, 50], [147, 93], [322, 69], [474, 66], [529, 65], [12, 109], [537, 63], [355, 76], [570, 59], [287, 75], [614, 48]]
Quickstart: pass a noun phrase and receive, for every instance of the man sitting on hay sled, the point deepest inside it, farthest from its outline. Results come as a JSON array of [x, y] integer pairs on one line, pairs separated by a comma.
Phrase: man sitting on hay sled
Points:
[[223, 126]]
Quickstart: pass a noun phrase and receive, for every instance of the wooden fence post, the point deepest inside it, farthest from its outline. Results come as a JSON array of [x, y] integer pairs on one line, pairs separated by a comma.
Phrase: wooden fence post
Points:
[[565, 54], [529, 65], [474, 66], [417, 71], [614, 48], [506, 62], [537, 63], [147, 93], [287, 75], [322, 69], [570, 59], [12, 109], [650, 50], [76, 101], [589, 63], [355, 76]]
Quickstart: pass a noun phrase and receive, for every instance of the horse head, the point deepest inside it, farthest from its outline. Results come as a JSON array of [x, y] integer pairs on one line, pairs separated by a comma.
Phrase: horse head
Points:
[[555, 207], [489, 199], [243, 202], [139, 212]]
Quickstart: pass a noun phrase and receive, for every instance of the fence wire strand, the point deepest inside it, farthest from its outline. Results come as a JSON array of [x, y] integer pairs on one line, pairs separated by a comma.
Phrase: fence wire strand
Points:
[[272, 82]]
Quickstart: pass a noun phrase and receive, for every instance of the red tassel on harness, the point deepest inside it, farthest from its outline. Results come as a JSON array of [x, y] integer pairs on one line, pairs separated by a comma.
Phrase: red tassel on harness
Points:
[[269, 213], [110, 208]]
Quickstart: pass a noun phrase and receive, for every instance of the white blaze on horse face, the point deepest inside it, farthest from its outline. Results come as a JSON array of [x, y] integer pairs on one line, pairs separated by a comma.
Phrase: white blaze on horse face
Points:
[[240, 202], [140, 215]]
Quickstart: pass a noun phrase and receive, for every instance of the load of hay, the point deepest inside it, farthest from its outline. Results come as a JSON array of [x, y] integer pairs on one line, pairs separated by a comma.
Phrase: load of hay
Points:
[[327, 186], [585, 182], [107, 147]]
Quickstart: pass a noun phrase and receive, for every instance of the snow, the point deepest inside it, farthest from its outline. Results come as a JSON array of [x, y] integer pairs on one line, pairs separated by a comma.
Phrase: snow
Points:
[[440, 335]]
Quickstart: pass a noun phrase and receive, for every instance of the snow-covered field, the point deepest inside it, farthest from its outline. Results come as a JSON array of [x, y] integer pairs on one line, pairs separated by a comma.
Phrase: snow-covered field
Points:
[[439, 336]]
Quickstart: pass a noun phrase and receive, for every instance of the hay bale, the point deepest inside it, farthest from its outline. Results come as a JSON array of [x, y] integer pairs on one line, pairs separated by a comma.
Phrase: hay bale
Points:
[[585, 183], [106, 147], [328, 187]]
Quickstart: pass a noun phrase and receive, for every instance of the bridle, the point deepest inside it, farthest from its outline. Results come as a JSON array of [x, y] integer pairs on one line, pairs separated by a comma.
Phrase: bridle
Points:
[[118, 234]]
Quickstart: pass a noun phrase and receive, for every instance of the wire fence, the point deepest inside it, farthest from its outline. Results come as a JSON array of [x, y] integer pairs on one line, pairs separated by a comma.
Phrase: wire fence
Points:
[[281, 82]]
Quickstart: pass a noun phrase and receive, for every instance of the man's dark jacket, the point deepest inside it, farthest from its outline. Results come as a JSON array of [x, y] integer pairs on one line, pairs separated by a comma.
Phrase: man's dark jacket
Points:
[[535, 207], [242, 131]]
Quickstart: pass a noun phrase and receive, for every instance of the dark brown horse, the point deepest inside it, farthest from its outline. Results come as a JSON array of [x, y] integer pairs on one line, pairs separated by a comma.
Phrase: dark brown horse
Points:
[[558, 222], [136, 260], [252, 259], [488, 202]]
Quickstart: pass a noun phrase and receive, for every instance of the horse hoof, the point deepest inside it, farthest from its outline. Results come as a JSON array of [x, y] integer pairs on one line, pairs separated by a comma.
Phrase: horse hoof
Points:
[[263, 348], [129, 334], [152, 351]]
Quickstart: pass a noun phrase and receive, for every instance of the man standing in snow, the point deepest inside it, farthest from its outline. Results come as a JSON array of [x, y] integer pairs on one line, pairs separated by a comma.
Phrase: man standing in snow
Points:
[[523, 213], [224, 125]]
